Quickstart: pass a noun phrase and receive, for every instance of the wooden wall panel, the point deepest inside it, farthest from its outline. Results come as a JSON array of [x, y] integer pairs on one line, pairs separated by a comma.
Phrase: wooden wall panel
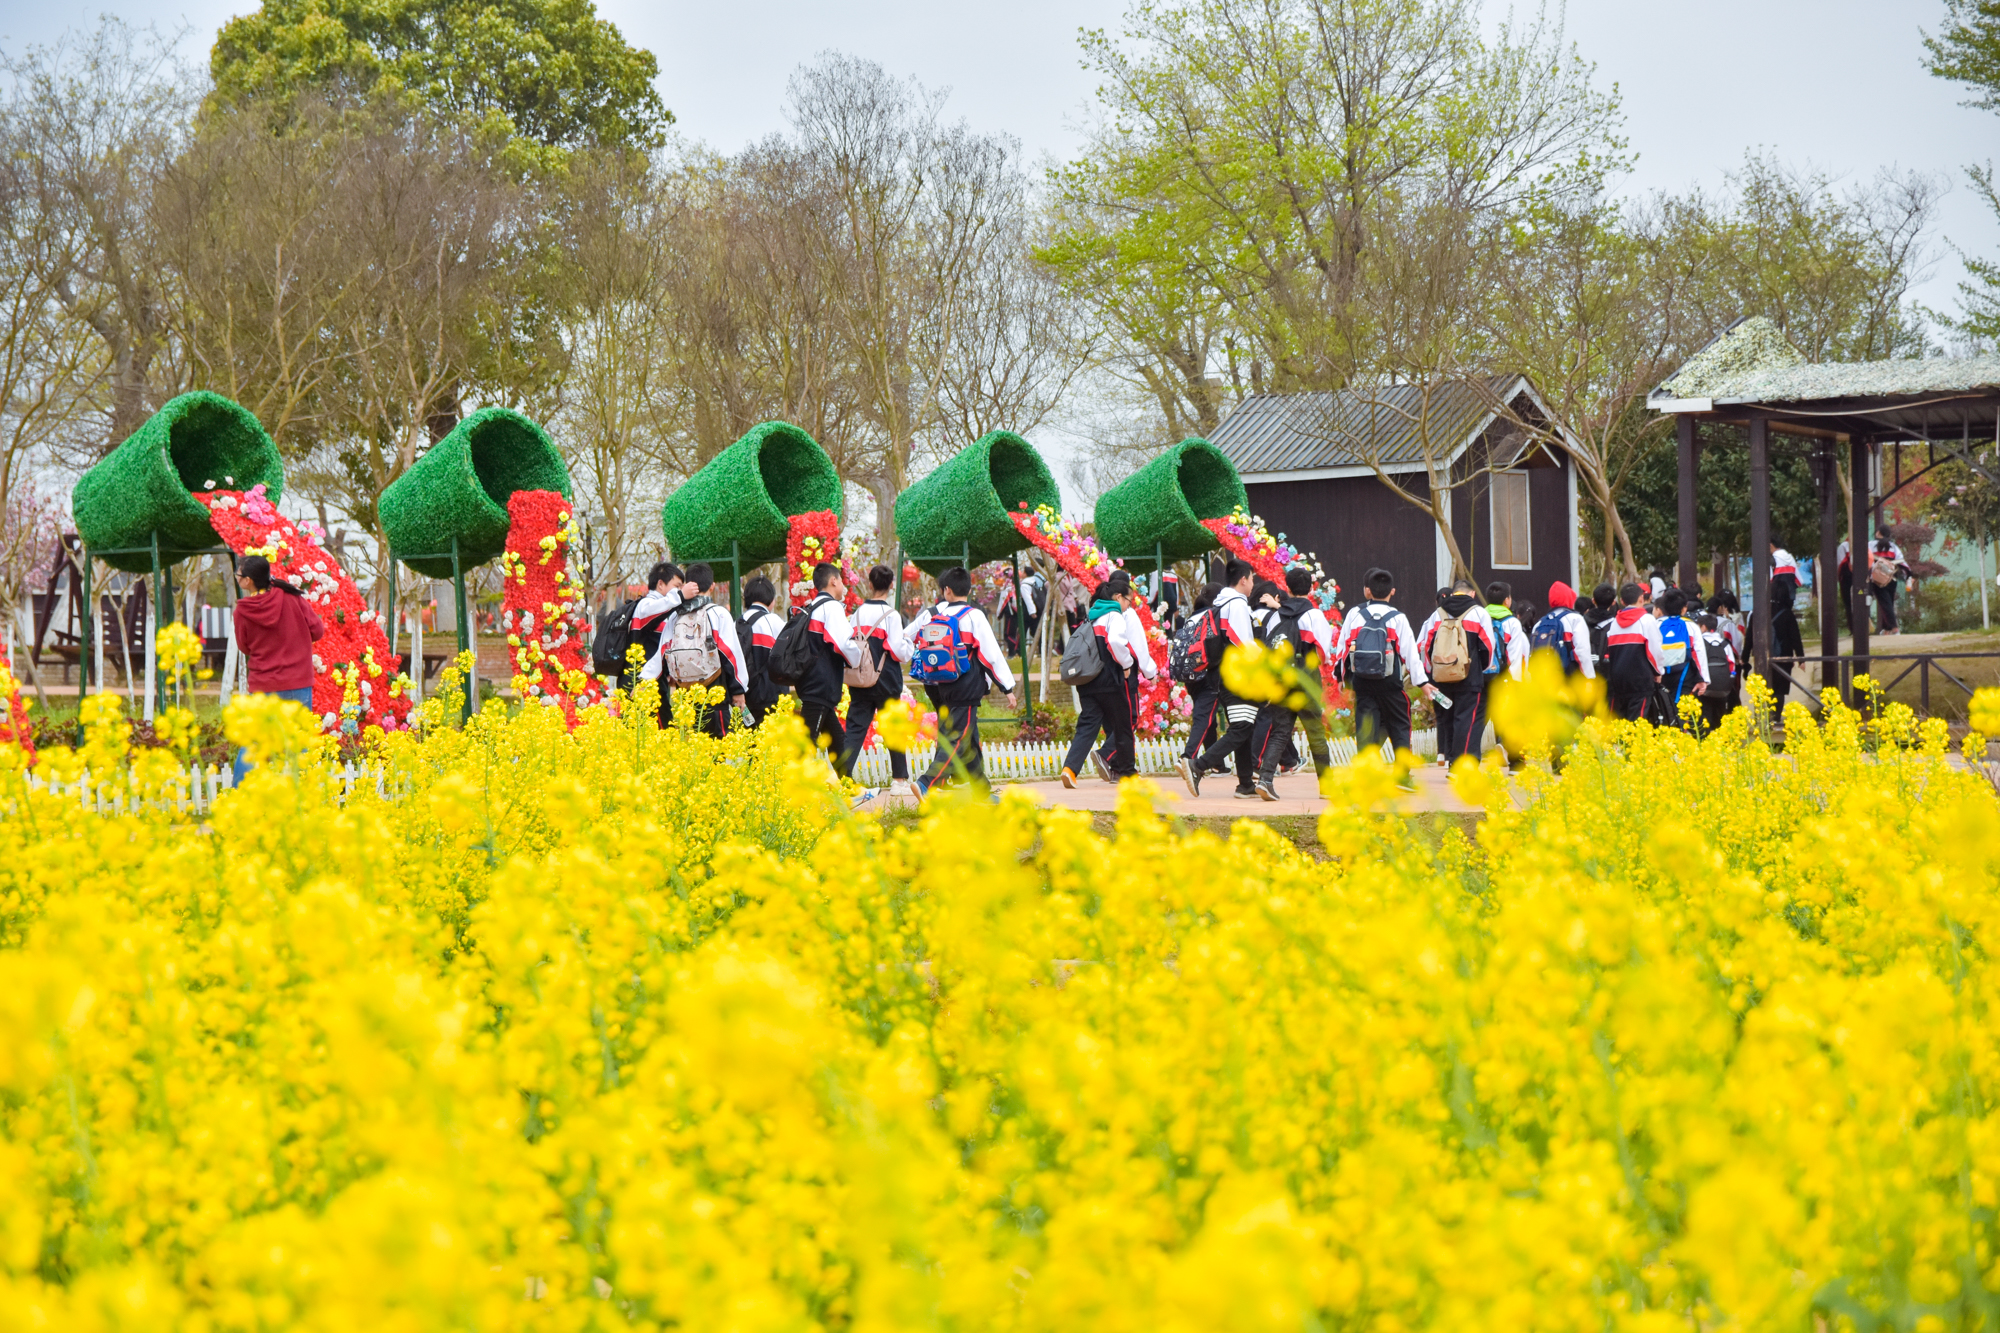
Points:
[[1354, 524]]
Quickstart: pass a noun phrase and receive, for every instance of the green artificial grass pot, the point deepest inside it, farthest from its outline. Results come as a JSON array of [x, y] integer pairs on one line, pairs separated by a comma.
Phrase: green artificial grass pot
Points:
[[143, 486], [968, 499], [1160, 507], [460, 488], [746, 494]]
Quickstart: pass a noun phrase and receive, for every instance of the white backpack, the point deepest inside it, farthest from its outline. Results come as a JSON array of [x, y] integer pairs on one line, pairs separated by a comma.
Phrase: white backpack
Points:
[[692, 657]]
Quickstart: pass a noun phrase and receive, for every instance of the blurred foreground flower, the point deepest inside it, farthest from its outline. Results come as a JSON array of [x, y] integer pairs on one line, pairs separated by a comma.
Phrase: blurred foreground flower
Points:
[[1540, 714]]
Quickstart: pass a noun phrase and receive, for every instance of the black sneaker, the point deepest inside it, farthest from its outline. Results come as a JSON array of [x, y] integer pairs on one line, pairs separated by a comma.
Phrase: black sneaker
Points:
[[1189, 774], [1103, 769], [1248, 794], [1265, 790]]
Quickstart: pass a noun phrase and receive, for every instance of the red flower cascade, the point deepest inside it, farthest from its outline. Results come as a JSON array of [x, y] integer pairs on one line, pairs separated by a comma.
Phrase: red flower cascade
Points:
[[14, 727], [542, 607], [356, 683]]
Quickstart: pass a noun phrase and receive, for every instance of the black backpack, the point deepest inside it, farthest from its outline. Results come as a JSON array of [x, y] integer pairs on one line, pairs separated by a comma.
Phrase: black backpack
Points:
[[1721, 670], [1188, 660], [1281, 627], [613, 637], [1371, 656], [792, 655]]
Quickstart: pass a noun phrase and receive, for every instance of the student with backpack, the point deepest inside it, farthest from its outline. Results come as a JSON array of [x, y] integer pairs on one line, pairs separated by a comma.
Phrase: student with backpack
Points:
[[1886, 570], [878, 677], [1194, 658], [1683, 659], [1723, 670], [1633, 659], [1229, 619], [647, 619], [1513, 656], [1376, 647], [1565, 633], [954, 656], [698, 647], [1603, 609], [1142, 670], [758, 633], [1096, 663], [1458, 641], [1300, 628], [812, 654]]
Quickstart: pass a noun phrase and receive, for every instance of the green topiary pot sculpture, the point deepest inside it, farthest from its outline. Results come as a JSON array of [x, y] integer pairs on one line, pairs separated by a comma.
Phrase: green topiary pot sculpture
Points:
[[460, 488], [747, 493], [968, 499], [1159, 508], [144, 486]]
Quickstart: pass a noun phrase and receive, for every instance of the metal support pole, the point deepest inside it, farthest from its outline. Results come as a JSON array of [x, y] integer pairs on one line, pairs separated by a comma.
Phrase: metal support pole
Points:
[[735, 580], [1689, 451], [1760, 540], [395, 617], [1021, 637], [156, 691], [1826, 570], [87, 644], [1857, 547], [464, 629]]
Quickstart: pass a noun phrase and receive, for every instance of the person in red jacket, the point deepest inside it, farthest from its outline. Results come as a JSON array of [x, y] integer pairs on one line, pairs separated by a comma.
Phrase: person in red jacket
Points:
[[276, 629]]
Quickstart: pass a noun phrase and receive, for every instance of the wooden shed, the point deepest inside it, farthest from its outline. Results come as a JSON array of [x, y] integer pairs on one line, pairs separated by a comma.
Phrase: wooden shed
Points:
[[1311, 463]]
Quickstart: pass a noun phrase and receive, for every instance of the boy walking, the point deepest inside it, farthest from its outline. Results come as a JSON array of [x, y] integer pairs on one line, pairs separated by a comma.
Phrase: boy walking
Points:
[[835, 649], [1458, 642], [1104, 703], [1300, 627], [1231, 613], [1634, 655], [1565, 633], [880, 629], [757, 632], [956, 655], [1376, 647], [698, 647]]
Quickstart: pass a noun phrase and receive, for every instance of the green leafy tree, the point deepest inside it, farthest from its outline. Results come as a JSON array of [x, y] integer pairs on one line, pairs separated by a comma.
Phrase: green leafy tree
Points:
[[551, 73]]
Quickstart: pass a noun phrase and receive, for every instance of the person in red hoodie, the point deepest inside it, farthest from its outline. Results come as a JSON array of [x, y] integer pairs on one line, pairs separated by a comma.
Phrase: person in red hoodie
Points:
[[276, 629]]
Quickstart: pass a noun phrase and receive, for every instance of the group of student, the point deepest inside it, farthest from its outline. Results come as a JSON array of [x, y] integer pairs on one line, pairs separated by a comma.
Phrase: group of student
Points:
[[690, 640], [1659, 645]]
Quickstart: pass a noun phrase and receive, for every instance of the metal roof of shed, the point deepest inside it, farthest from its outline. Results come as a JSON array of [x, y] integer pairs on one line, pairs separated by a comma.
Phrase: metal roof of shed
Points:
[[1395, 425]]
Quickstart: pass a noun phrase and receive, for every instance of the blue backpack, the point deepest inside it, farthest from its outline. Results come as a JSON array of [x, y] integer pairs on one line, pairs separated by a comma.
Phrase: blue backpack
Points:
[[1549, 633], [942, 653], [1677, 643]]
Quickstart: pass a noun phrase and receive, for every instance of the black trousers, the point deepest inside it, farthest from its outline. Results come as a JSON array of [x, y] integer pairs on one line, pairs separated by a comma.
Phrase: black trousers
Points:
[[1458, 726], [1381, 712], [1130, 754], [712, 719], [1675, 686], [1234, 742], [823, 727], [1271, 743], [958, 739], [1847, 596], [1786, 642], [1885, 605], [1205, 714], [1634, 703], [861, 712], [1109, 712]]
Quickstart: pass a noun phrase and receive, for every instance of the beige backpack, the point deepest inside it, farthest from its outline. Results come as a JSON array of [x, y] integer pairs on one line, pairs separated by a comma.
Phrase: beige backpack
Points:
[[1451, 655]]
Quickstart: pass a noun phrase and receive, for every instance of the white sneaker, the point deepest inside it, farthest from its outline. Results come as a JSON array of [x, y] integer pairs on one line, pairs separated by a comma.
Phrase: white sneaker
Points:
[[902, 787]]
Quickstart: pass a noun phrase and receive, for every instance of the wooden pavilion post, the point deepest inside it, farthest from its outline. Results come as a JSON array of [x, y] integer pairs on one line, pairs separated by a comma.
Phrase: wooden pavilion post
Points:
[[1826, 566], [1760, 542], [1860, 479], [1689, 451]]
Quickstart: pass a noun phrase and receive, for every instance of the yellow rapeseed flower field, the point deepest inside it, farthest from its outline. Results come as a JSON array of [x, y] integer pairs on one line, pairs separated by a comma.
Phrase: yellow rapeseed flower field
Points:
[[627, 1028]]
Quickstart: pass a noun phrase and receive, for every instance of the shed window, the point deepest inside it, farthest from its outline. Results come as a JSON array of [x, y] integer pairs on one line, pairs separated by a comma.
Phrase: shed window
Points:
[[1509, 498]]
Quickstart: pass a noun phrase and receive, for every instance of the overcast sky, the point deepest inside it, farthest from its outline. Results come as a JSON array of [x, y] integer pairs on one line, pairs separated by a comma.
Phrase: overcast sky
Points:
[[1834, 83]]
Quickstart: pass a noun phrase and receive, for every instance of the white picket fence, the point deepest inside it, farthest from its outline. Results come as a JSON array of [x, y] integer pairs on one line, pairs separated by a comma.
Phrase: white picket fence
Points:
[[1010, 761], [192, 792], [195, 790]]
